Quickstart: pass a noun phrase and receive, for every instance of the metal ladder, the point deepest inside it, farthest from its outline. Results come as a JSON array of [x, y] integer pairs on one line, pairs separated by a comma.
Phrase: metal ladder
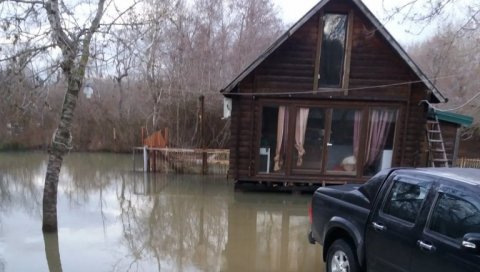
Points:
[[438, 156]]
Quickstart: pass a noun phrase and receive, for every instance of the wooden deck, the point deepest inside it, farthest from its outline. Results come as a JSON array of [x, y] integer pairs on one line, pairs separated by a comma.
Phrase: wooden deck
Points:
[[182, 161]]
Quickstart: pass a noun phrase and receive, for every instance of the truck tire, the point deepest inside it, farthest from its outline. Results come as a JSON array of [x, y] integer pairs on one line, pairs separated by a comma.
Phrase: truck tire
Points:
[[341, 257]]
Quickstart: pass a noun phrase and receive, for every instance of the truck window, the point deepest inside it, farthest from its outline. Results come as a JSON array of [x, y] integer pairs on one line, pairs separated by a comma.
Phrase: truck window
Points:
[[405, 200], [454, 217]]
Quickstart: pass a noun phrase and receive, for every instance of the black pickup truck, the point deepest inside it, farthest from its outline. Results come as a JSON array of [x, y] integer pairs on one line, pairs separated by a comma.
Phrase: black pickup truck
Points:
[[401, 220]]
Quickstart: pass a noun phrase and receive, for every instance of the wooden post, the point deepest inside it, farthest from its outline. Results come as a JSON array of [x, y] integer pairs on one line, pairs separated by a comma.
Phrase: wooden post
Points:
[[154, 158], [202, 134], [133, 159], [145, 159]]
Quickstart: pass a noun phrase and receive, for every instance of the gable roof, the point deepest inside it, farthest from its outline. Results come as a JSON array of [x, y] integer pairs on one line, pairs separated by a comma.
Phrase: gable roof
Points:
[[378, 26]]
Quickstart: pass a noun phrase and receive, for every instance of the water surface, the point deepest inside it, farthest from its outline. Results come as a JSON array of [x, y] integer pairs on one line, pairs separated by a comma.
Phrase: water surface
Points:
[[111, 219]]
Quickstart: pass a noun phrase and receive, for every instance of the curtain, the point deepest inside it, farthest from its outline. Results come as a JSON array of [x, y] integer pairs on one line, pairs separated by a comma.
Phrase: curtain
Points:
[[280, 132], [300, 128], [380, 122]]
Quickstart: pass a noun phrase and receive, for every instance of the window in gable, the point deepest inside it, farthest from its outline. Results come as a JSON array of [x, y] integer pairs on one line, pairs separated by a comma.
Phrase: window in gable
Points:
[[333, 50]]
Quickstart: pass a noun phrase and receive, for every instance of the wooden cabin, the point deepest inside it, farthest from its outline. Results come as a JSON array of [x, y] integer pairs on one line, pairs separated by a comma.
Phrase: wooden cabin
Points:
[[333, 100]]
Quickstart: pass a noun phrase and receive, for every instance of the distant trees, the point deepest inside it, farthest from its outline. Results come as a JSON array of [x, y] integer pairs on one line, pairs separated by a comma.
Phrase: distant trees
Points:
[[453, 64], [451, 56], [146, 63], [147, 67]]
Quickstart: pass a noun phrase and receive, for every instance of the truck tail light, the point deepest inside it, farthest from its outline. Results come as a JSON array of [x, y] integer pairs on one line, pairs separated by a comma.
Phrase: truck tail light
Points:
[[310, 212]]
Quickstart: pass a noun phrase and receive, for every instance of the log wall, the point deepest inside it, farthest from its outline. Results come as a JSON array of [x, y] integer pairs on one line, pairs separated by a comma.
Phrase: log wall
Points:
[[291, 68]]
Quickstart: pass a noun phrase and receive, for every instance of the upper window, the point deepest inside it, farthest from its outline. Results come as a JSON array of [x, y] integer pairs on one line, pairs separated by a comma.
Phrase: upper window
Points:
[[454, 217], [405, 200], [333, 50]]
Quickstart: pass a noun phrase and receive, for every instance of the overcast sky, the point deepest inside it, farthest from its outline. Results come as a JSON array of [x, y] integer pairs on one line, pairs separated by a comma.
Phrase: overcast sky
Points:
[[292, 10]]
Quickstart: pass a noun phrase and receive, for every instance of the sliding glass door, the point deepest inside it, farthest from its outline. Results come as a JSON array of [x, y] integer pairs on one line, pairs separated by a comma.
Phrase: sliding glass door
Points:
[[343, 141], [316, 140], [309, 139]]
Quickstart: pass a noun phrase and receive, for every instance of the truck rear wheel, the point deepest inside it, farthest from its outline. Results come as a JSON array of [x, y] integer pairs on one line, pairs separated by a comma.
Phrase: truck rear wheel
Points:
[[340, 258]]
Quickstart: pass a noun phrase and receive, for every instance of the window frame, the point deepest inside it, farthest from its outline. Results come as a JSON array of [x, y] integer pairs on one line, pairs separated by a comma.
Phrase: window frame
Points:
[[345, 73], [409, 180], [292, 106], [443, 190]]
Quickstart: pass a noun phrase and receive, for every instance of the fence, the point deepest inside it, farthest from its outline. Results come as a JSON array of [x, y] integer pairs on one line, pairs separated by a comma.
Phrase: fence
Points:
[[183, 161], [467, 163]]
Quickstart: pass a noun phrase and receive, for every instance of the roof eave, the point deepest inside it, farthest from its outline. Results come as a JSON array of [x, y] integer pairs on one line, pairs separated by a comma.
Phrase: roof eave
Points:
[[379, 26], [437, 94], [274, 47]]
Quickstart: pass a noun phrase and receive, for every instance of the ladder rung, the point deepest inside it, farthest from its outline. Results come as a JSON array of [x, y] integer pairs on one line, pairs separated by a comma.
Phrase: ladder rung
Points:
[[438, 150], [435, 141], [433, 131]]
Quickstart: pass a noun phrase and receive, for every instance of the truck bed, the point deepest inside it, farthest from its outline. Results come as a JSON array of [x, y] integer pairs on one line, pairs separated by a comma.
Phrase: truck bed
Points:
[[345, 202]]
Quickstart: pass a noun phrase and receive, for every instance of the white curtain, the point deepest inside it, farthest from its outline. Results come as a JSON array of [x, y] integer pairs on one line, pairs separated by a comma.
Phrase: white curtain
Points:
[[301, 127], [380, 122], [280, 131]]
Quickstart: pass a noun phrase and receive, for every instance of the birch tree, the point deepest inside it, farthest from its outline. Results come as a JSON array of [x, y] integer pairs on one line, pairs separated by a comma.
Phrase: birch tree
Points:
[[62, 29], [75, 48]]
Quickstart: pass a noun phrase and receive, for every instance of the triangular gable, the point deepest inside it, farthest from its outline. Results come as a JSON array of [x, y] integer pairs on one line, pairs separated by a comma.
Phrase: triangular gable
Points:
[[388, 37]]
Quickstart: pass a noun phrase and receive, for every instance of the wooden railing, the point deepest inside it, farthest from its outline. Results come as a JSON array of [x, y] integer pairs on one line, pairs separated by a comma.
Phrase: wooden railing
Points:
[[467, 163], [184, 161]]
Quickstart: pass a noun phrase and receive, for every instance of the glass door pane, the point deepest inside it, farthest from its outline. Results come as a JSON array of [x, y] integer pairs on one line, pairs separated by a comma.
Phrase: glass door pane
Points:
[[380, 140], [344, 140], [272, 153], [309, 135]]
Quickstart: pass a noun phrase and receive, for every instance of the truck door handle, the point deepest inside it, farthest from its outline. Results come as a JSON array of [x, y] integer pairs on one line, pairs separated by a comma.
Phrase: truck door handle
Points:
[[378, 227], [425, 246]]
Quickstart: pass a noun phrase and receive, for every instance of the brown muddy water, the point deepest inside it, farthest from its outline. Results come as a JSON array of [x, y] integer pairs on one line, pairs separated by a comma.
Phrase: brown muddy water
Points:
[[111, 219]]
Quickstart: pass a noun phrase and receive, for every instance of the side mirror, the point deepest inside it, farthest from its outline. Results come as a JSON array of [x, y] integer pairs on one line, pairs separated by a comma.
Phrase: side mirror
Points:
[[471, 242]]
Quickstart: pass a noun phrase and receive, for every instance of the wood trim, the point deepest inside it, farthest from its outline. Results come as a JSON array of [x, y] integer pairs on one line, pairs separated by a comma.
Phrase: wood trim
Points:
[[456, 146], [290, 144], [252, 156], [396, 134], [363, 141], [405, 128], [317, 179], [237, 140], [318, 53], [327, 103], [259, 107], [328, 132], [348, 53]]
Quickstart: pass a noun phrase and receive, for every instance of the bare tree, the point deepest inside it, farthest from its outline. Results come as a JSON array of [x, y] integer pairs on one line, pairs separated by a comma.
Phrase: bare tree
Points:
[[75, 48], [24, 22], [147, 67], [451, 56], [453, 64]]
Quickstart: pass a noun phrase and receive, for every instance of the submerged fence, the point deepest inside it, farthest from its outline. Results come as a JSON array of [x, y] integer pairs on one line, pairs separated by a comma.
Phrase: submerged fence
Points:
[[182, 161], [467, 163]]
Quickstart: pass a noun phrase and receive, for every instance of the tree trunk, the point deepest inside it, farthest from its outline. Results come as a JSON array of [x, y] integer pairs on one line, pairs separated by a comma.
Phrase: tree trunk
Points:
[[75, 52], [61, 143], [52, 252]]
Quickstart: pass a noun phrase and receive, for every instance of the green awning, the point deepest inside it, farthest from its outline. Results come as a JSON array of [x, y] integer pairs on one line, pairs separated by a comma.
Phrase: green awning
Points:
[[460, 119]]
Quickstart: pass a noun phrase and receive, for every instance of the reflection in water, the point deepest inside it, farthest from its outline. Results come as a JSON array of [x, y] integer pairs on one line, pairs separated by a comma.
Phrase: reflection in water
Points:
[[52, 252], [111, 219]]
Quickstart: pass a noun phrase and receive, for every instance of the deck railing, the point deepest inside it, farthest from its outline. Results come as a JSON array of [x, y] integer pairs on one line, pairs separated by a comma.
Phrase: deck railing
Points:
[[467, 163], [184, 161]]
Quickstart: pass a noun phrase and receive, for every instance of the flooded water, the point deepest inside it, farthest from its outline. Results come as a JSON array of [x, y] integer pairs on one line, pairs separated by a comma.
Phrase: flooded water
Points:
[[111, 219]]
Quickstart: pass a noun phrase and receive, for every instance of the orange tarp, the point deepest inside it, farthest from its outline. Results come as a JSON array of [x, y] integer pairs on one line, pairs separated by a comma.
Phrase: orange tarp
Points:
[[157, 139]]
